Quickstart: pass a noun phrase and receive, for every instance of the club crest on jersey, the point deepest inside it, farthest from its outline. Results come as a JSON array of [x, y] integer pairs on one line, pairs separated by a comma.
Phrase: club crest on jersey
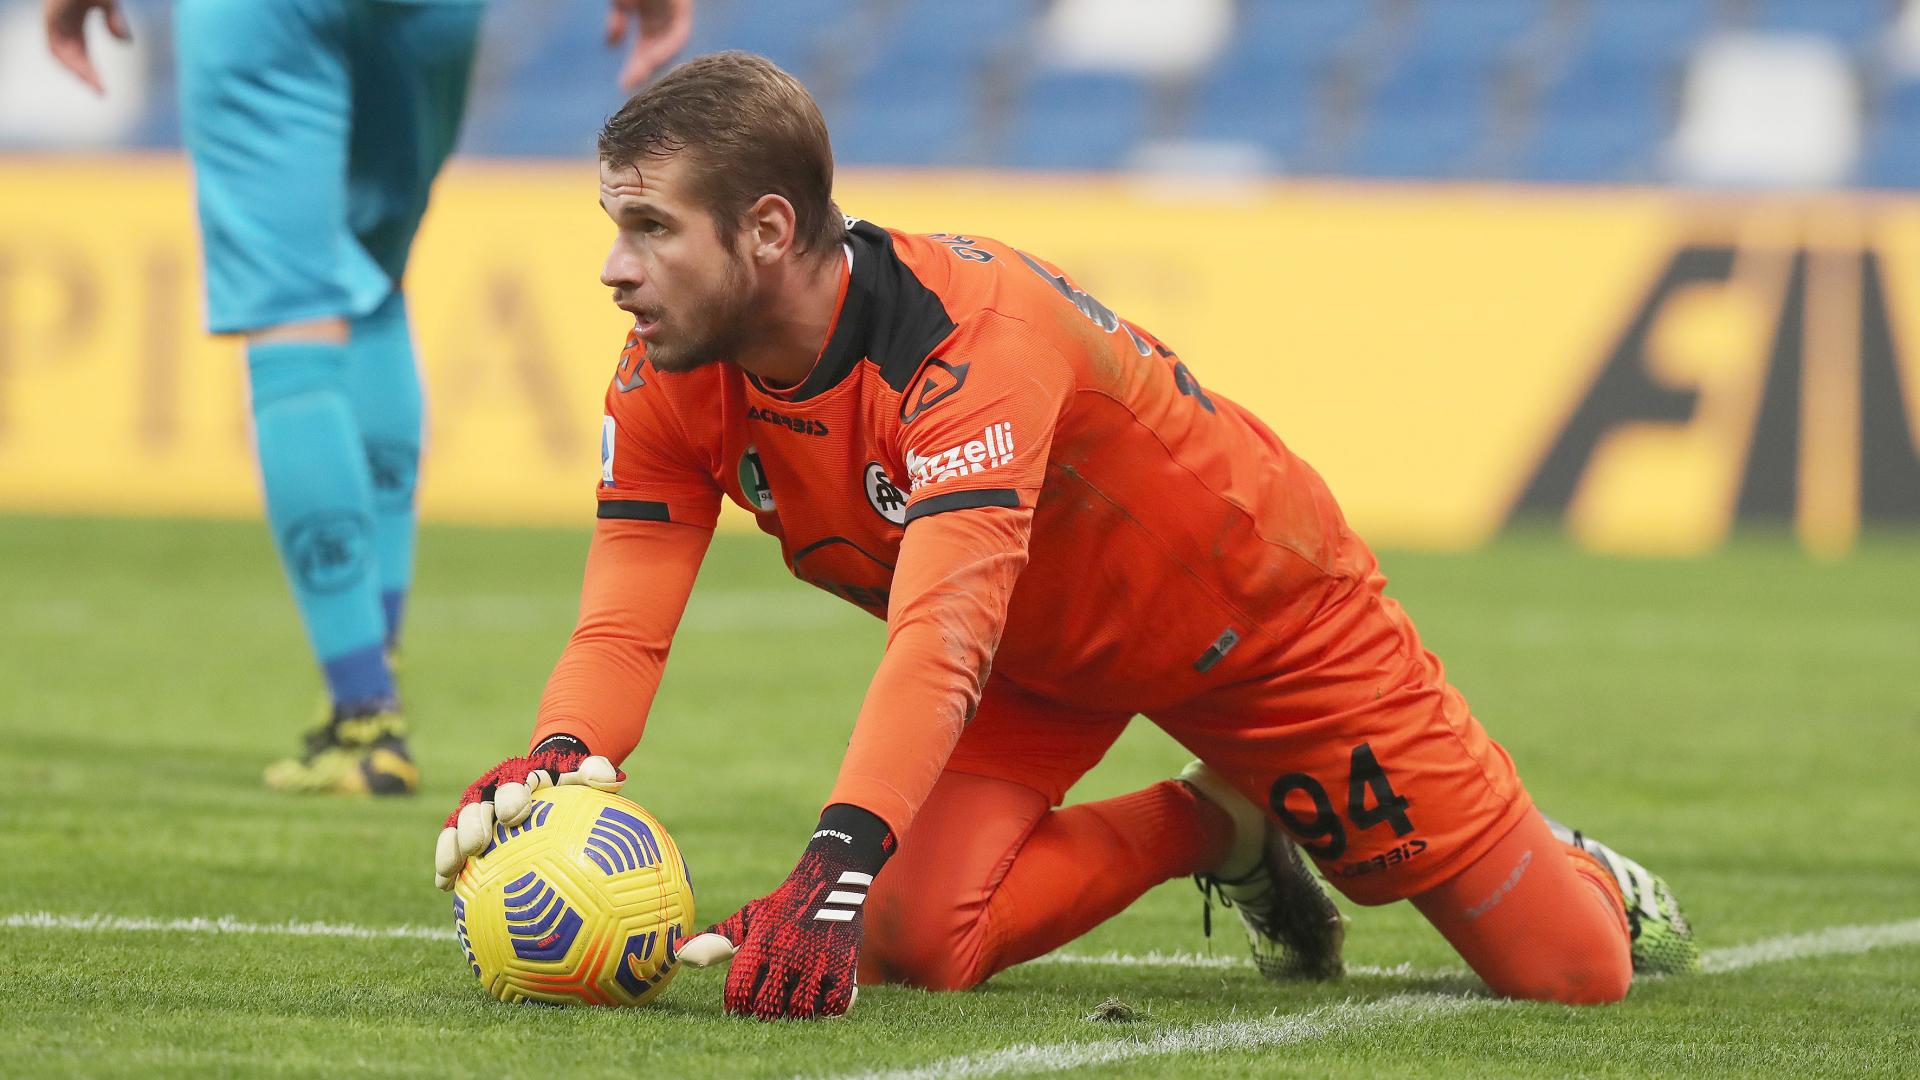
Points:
[[753, 481], [884, 496], [991, 450]]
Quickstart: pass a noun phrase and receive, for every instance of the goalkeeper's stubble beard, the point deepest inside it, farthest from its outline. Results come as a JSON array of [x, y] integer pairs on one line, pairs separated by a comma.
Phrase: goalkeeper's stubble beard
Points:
[[706, 330]]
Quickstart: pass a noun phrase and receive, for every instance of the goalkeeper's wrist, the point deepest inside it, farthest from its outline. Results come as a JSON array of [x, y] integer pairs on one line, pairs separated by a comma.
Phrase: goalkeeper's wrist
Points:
[[853, 836], [563, 742]]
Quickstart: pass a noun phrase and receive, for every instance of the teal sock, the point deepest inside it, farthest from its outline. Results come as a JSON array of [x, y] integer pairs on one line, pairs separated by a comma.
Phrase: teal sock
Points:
[[320, 507], [383, 388]]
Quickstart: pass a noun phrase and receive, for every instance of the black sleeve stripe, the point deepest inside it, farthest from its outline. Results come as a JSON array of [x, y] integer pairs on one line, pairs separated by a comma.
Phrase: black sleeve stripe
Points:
[[963, 500], [634, 510]]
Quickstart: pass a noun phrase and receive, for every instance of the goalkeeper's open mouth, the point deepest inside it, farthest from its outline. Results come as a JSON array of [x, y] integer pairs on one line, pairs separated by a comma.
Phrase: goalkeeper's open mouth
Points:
[[645, 320]]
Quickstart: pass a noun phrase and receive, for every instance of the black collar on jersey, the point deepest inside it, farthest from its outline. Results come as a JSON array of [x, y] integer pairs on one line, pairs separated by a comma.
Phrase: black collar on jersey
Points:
[[888, 317]]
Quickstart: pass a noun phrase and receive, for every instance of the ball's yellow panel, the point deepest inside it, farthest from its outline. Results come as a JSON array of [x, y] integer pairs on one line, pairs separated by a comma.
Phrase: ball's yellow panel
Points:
[[582, 903]]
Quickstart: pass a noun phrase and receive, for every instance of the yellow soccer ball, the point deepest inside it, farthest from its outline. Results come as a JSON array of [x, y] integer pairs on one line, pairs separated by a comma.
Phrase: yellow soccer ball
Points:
[[584, 902]]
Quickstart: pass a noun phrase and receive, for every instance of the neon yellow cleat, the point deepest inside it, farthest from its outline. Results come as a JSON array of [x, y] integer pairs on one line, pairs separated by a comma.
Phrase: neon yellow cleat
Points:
[[1662, 939], [359, 754]]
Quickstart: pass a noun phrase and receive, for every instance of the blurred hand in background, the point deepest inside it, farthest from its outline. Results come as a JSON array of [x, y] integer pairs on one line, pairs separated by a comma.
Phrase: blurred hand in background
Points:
[[661, 28], [67, 34]]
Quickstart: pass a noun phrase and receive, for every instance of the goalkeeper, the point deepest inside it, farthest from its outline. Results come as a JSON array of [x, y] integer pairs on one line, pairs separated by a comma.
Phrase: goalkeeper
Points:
[[1063, 528]]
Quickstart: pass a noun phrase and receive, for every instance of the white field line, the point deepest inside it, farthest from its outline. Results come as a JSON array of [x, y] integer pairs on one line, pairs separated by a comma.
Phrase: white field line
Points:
[[1225, 1035], [46, 920], [1330, 1020], [1205, 960], [1833, 941]]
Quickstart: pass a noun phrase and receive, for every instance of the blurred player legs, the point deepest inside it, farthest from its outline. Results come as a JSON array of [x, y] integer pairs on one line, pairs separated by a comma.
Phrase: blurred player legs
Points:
[[316, 128]]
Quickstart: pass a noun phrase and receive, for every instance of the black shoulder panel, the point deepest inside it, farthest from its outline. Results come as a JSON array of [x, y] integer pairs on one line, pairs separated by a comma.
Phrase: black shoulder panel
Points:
[[916, 320], [889, 317]]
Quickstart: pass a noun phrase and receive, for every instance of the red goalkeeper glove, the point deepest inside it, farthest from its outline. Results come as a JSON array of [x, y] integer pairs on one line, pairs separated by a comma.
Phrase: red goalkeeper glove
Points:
[[796, 950], [505, 794]]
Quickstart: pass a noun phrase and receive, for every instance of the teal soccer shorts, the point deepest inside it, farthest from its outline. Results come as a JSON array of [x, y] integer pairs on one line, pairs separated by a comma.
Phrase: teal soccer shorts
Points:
[[316, 128]]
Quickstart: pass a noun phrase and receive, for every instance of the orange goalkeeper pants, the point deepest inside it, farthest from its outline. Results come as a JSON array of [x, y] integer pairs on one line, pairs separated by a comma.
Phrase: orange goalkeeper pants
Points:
[[992, 874]]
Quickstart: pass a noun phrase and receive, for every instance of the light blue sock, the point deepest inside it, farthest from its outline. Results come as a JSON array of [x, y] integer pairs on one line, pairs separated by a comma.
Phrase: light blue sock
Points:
[[320, 506], [383, 386]]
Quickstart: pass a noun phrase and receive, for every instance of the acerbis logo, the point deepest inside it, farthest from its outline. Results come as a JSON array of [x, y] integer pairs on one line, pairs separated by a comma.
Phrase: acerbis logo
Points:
[[991, 450], [884, 495], [937, 381], [1392, 857], [798, 424]]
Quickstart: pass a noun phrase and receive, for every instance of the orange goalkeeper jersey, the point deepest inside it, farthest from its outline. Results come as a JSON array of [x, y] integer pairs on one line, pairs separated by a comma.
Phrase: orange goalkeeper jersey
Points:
[[994, 462]]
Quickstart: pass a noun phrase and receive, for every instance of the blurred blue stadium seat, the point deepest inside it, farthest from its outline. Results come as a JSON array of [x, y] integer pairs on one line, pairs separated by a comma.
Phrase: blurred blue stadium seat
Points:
[[548, 82], [1426, 118], [1266, 101], [713, 22], [914, 98], [931, 26], [1850, 22], [905, 110], [1474, 29], [551, 81], [1654, 29], [1261, 90], [799, 35], [1079, 120], [1605, 118], [1891, 157], [913, 81], [1300, 28]]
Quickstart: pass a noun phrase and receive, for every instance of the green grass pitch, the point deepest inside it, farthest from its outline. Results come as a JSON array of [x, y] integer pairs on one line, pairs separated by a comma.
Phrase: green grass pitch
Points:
[[1749, 725]]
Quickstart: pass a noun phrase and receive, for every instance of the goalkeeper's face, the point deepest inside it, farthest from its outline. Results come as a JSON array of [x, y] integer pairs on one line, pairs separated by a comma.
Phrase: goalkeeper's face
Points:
[[688, 287]]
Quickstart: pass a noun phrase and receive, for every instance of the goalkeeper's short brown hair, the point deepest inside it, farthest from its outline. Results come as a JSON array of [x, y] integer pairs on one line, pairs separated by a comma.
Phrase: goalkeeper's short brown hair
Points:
[[748, 129]]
